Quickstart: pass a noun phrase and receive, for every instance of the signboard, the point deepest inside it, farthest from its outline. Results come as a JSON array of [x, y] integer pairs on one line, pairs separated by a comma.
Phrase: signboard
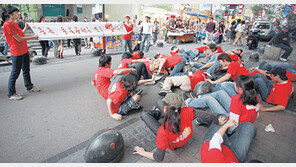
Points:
[[79, 8], [98, 8], [66, 30], [114, 43], [53, 10]]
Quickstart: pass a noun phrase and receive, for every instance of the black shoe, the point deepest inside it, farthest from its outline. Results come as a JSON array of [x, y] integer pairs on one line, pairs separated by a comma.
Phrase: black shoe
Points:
[[164, 92]]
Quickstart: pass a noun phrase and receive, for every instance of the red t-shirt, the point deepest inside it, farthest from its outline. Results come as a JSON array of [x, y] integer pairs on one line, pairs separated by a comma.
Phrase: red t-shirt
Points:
[[220, 50], [166, 139], [117, 94], [294, 66], [280, 93], [202, 49], [196, 77], [174, 53], [247, 113], [16, 48], [234, 57], [128, 28], [103, 82], [236, 69], [125, 63], [171, 61], [214, 155], [291, 76]]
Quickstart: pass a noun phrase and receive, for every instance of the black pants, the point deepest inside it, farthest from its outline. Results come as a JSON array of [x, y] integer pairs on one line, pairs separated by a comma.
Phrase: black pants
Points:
[[220, 38], [45, 47], [77, 45], [142, 71], [19, 63], [69, 43]]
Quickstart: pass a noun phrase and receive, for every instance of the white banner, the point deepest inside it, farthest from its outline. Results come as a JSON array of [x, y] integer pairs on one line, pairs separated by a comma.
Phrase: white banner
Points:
[[66, 30]]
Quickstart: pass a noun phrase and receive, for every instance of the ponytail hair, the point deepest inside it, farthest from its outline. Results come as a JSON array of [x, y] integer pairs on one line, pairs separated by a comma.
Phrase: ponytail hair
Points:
[[249, 95], [6, 11], [172, 119]]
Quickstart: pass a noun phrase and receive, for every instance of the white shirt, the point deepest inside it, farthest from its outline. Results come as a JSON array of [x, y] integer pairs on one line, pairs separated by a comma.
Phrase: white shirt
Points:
[[240, 28], [147, 28]]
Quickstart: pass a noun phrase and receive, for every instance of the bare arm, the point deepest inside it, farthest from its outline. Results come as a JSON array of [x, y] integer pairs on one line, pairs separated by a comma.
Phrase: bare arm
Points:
[[25, 28], [21, 39], [122, 71], [228, 124], [146, 80], [140, 60], [113, 115], [259, 70], [142, 152], [222, 79], [274, 108]]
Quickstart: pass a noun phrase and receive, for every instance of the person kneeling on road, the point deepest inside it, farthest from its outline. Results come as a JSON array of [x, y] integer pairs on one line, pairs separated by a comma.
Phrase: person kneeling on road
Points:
[[185, 82], [122, 96]]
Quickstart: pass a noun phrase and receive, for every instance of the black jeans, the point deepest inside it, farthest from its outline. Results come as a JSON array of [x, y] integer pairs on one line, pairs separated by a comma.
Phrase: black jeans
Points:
[[142, 70], [77, 45], [45, 47], [220, 38], [19, 63], [69, 43]]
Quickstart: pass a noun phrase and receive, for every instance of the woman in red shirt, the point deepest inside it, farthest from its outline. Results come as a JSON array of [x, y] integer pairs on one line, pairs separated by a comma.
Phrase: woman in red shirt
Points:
[[244, 106], [17, 43], [175, 130], [127, 39]]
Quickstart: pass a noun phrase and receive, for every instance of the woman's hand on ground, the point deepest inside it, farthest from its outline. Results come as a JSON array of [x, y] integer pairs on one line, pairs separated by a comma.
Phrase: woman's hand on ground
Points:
[[139, 150], [116, 116]]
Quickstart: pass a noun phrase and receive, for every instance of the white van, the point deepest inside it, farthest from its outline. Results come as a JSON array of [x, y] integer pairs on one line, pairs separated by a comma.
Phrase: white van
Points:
[[264, 26]]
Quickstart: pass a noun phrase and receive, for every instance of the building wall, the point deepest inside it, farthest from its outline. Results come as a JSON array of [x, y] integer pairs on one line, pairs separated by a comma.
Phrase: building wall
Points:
[[116, 12]]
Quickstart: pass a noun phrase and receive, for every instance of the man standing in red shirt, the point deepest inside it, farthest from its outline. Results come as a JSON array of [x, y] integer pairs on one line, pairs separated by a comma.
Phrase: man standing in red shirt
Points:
[[127, 39], [277, 94], [104, 73]]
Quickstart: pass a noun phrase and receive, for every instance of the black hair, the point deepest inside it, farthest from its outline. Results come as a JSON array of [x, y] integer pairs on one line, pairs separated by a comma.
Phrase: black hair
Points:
[[6, 11], [172, 119], [130, 81], [60, 18], [141, 54], [75, 18], [249, 95], [224, 56], [211, 18], [233, 22], [239, 20], [126, 55], [104, 60], [243, 22], [239, 54], [156, 56], [283, 77], [40, 19], [213, 46], [172, 48]]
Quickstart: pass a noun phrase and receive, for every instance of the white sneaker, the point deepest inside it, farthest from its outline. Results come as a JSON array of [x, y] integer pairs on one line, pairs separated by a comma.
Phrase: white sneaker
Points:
[[283, 59], [15, 97]]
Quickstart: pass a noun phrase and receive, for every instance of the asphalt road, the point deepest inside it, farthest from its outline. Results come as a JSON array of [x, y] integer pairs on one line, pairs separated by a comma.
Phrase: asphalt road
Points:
[[66, 112]]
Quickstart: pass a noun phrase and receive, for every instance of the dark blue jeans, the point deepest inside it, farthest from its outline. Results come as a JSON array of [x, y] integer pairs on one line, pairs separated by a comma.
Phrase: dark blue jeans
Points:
[[288, 50], [262, 85], [19, 63], [125, 44], [6, 49], [145, 39], [240, 140], [178, 67]]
